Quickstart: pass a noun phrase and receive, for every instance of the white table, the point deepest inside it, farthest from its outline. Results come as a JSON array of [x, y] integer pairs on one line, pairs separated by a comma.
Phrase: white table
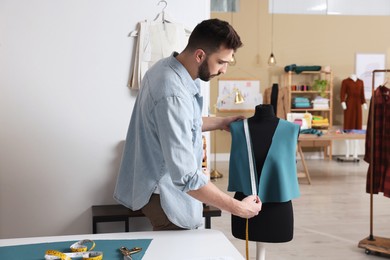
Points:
[[199, 244]]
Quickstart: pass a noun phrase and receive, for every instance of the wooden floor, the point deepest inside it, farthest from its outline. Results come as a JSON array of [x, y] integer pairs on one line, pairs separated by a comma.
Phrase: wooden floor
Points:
[[331, 216]]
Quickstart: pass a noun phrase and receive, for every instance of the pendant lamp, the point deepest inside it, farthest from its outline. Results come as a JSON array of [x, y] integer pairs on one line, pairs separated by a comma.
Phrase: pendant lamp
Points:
[[271, 59]]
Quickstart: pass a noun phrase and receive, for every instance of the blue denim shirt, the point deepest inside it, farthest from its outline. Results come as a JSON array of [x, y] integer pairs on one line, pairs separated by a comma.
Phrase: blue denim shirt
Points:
[[163, 147]]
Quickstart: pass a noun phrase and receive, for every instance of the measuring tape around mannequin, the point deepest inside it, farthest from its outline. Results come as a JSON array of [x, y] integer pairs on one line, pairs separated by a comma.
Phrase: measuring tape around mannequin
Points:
[[253, 182], [79, 250]]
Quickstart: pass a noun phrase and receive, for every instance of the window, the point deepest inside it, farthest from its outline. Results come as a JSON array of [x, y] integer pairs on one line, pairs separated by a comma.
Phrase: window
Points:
[[224, 5], [331, 7]]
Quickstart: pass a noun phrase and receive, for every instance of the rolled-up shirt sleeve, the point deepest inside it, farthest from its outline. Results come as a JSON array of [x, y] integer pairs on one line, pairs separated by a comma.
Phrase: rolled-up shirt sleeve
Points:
[[177, 130]]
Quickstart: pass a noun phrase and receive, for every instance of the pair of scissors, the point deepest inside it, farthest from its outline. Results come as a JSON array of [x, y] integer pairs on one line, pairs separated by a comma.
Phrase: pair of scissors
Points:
[[128, 252]]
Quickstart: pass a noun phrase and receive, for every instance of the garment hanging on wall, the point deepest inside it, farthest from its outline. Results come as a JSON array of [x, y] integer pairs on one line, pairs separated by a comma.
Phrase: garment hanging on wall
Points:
[[380, 142], [282, 100], [352, 93], [274, 97], [156, 40], [273, 141]]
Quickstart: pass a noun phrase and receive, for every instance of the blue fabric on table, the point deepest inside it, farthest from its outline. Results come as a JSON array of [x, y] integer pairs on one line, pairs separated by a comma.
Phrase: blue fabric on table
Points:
[[311, 131], [355, 131], [110, 249]]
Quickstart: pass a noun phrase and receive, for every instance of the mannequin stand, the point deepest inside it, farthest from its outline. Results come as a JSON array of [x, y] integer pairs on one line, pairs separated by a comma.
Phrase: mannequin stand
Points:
[[260, 251], [215, 174], [347, 157]]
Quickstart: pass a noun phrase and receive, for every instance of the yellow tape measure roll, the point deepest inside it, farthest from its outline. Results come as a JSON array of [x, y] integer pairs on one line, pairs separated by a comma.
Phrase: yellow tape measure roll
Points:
[[79, 250], [81, 247], [55, 255]]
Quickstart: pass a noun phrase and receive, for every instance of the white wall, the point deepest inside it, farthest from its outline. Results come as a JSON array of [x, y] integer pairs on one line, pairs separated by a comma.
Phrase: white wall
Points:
[[65, 106]]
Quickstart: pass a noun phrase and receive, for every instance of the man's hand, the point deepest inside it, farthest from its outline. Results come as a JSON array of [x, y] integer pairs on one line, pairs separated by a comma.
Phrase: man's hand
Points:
[[226, 121], [219, 123], [211, 195], [251, 207]]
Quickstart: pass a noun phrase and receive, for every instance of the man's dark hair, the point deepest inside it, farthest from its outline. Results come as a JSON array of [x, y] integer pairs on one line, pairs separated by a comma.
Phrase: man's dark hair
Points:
[[212, 34]]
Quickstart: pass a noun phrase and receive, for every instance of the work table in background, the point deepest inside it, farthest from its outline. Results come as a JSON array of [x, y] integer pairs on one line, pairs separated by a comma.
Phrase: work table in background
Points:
[[325, 139]]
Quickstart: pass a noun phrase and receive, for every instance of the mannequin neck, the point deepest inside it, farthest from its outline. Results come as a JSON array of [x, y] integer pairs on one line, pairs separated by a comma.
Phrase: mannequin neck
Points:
[[353, 77], [264, 111]]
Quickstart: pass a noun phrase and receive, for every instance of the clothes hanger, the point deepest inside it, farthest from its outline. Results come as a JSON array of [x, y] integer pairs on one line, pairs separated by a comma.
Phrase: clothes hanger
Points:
[[386, 80], [161, 16], [386, 89]]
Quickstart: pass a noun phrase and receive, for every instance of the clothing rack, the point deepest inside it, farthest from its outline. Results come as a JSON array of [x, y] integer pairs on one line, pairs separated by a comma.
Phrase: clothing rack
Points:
[[374, 244]]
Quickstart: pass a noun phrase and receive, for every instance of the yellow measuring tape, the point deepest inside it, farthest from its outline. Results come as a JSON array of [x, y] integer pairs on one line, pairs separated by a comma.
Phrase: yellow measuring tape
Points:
[[92, 255], [79, 250], [247, 239], [252, 178], [81, 247]]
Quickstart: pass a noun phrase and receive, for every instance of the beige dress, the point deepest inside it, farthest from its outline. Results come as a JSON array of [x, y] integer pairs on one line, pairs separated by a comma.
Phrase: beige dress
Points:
[[282, 103]]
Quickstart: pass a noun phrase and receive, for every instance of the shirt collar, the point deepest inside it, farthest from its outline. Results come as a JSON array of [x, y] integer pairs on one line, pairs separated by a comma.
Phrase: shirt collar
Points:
[[193, 86]]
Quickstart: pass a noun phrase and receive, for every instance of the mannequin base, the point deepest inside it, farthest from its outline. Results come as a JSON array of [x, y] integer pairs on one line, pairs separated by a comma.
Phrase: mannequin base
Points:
[[215, 174], [348, 159]]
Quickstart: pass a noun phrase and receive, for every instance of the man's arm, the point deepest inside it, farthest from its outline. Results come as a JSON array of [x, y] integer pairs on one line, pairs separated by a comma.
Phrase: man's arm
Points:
[[221, 123], [211, 195]]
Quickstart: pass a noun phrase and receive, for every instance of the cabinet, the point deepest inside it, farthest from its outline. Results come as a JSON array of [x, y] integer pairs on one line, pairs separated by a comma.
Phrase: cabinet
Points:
[[302, 86]]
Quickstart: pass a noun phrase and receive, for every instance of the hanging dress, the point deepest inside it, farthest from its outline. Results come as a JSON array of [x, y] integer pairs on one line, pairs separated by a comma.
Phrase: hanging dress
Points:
[[156, 40], [352, 93], [380, 143]]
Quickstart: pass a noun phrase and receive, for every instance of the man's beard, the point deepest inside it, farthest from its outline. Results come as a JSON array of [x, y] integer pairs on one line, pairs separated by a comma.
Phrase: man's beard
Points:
[[204, 72]]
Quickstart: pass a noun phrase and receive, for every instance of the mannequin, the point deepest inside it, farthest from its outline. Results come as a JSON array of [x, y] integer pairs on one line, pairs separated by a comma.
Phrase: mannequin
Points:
[[352, 97], [279, 98], [275, 222], [354, 78]]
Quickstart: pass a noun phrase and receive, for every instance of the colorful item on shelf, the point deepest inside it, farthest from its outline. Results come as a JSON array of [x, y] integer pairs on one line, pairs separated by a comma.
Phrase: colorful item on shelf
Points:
[[320, 103], [301, 102], [305, 98], [319, 121], [301, 119], [300, 88], [299, 69], [298, 121]]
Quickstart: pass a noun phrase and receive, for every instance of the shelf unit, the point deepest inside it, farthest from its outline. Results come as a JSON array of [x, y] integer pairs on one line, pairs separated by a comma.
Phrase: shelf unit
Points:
[[305, 80]]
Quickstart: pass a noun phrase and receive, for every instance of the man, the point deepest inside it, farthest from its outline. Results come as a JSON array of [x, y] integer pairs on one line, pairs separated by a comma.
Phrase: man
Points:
[[161, 170]]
